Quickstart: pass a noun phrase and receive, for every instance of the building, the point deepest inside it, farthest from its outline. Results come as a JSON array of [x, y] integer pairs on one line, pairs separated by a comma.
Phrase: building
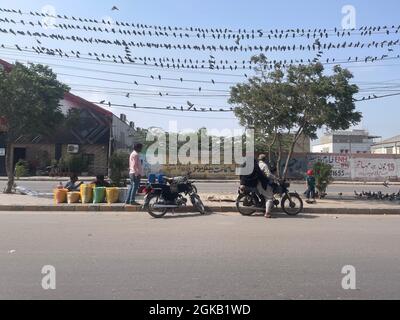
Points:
[[345, 142], [388, 146], [95, 135]]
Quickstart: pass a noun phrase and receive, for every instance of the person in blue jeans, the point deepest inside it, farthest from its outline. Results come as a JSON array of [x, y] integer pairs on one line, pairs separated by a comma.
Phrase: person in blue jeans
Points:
[[135, 174]]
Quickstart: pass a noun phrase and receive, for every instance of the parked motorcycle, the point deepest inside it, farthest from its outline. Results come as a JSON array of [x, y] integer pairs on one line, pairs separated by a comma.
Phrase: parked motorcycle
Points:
[[179, 187], [250, 201]]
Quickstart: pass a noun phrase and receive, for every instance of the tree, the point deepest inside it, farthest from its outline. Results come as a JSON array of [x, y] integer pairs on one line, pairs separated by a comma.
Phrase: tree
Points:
[[29, 103], [293, 102], [323, 177]]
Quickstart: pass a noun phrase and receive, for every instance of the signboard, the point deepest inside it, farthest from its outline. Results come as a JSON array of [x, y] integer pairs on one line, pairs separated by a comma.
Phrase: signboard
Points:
[[2, 152], [340, 164]]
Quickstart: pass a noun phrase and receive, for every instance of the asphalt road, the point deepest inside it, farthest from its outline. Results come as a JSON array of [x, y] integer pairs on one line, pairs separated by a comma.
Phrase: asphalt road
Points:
[[220, 256], [225, 187]]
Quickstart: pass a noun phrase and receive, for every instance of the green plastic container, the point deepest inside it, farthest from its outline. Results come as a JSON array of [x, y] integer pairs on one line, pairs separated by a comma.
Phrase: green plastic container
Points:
[[99, 194]]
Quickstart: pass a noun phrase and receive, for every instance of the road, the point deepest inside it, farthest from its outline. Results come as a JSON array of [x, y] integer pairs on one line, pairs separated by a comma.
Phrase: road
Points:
[[226, 187], [218, 256]]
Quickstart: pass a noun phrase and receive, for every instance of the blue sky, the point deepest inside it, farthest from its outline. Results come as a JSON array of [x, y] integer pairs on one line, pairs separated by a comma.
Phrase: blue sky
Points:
[[380, 116]]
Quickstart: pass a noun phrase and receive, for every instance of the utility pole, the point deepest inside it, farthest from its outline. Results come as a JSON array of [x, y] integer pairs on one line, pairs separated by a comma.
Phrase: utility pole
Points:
[[110, 143]]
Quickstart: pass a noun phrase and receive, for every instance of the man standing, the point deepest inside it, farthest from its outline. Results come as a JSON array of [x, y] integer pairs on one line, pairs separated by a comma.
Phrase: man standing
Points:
[[135, 173]]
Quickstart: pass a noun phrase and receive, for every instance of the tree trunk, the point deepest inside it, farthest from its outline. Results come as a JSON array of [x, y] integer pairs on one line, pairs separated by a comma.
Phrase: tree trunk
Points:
[[270, 148], [9, 168], [289, 156], [279, 158]]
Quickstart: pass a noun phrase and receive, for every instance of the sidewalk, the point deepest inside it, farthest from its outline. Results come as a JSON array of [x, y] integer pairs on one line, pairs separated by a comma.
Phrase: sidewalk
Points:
[[213, 203]]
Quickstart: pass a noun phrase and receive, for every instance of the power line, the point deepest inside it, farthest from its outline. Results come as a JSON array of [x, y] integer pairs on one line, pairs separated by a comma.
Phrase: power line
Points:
[[317, 31]]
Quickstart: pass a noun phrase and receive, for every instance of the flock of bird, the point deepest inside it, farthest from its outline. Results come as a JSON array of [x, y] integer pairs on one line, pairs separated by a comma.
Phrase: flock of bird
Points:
[[189, 107], [315, 46], [138, 29], [186, 63], [369, 195], [242, 33]]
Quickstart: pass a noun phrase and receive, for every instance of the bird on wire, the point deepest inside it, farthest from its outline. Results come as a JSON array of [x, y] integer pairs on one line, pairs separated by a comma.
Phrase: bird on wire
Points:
[[191, 105]]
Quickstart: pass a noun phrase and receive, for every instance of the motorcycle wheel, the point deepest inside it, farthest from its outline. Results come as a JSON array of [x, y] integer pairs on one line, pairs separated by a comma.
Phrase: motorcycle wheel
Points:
[[241, 202], [197, 203], [155, 212], [292, 204]]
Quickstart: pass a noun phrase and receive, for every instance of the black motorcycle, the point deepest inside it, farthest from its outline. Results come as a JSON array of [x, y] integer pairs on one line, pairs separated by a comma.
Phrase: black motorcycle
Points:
[[159, 198], [250, 201]]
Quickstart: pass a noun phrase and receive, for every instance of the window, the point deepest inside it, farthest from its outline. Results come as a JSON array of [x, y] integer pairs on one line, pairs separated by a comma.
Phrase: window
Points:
[[89, 158]]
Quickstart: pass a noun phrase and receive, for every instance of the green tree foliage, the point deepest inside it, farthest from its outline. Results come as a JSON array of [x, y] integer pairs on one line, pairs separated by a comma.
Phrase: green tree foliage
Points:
[[119, 162], [293, 102], [29, 101], [323, 177]]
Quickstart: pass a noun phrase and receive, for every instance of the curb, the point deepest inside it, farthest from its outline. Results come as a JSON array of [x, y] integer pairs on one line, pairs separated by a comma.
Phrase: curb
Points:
[[214, 209]]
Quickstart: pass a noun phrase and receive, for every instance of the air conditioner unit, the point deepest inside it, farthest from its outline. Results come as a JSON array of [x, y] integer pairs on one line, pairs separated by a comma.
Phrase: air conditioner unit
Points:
[[73, 148]]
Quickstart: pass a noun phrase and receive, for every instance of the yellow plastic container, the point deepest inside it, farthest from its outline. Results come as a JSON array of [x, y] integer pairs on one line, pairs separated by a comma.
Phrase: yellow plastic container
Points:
[[60, 195], [112, 195], [86, 193], [73, 197]]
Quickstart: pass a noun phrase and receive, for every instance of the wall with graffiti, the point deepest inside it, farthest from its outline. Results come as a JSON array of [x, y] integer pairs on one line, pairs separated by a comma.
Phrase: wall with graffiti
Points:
[[361, 167]]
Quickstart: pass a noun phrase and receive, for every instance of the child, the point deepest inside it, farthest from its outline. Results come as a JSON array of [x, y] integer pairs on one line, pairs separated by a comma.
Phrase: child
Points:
[[72, 184], [100, 181], [310, 182]]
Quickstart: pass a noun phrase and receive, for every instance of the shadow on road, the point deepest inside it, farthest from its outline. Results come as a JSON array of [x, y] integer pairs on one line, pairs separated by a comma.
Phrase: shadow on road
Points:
[[179, 215], [285, 216]]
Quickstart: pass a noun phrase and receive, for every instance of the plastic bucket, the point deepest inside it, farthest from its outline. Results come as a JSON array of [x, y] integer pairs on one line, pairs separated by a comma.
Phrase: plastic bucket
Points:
[[60, 195], [122, 194], [161, 179], [99, 194], [73, 197], [112, 195], [152, 178], [86, 193]]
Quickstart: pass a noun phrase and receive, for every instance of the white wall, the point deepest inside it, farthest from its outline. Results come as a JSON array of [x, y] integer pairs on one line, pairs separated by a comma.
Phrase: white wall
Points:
[[352, 147], [326, 148]]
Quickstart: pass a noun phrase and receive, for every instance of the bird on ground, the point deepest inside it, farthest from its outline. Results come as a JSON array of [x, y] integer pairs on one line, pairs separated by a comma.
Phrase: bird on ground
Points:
[[102, 101], [127, 95], [386, 184]]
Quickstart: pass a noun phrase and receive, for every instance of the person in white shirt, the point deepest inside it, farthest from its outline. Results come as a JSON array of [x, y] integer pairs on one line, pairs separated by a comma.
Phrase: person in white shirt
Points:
[[135, 173]]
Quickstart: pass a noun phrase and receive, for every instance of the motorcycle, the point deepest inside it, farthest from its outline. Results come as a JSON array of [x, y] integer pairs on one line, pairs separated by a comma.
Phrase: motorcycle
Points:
[[157, 206], [250, 201]]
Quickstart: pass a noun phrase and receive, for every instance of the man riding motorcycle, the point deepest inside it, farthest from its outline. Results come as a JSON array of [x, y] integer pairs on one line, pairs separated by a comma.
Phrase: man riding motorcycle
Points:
[[267, 193], [260, 180]]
